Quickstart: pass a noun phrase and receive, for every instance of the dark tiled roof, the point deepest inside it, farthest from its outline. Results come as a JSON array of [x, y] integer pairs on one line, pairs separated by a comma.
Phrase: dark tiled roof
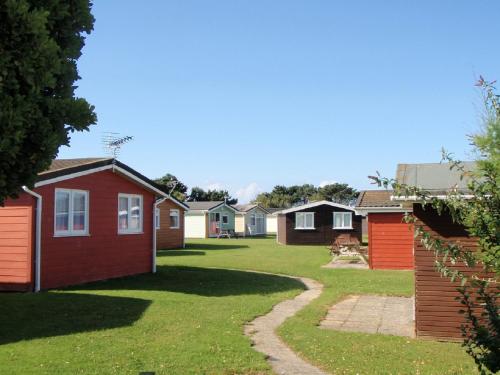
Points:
[[248, 207], [59, 164], [376, 198], [203, 206], [273, 210]]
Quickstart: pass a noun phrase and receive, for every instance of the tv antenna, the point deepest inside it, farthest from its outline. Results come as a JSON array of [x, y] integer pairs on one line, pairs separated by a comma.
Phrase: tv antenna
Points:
[[112, 143]]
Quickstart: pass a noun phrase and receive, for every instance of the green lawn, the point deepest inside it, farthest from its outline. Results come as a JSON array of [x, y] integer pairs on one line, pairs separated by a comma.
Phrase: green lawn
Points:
[[188, 318]]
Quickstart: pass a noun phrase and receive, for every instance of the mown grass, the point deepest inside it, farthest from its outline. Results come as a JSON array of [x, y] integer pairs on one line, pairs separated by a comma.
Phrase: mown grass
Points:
[[188, 318]]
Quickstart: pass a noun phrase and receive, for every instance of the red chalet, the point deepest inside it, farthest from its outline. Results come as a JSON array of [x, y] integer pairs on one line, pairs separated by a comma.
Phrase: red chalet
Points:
[[84, 220]]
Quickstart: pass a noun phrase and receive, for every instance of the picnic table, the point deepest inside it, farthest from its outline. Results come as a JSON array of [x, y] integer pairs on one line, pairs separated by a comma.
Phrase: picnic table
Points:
[[347, 247], [228, 233]]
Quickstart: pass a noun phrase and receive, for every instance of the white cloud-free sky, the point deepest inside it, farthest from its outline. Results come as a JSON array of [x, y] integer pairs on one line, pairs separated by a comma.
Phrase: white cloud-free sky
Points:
[[248, 95]]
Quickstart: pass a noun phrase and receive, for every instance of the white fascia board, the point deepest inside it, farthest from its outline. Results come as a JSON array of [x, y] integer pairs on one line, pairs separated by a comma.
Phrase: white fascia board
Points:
[[316, 204], [367, 210], [72, 175], [139, 180], [224, 204]]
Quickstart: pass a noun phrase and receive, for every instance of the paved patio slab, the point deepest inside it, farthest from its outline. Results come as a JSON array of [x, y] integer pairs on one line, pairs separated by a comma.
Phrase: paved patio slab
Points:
[[372, 314]]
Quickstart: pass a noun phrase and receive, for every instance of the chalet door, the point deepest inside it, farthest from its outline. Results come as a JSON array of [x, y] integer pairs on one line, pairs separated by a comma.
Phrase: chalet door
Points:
[[214, 224], [260, 224]]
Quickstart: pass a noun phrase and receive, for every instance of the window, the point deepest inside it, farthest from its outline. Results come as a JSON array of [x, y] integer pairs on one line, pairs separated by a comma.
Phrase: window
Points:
[[225, 219], [174, 219], [71, 212], [252, 220], [129, 213], [304, 220], [157, 218], [342, 220]]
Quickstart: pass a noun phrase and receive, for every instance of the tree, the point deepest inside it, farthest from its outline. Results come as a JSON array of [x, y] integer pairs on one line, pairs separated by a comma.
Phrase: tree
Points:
[[480, 216], [40, 43], [282, 196], [199, 195], [171, 184]]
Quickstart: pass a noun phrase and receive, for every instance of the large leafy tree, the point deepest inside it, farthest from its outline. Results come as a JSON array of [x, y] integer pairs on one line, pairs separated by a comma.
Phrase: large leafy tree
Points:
[[283, 196], [199, 195], [171, 184], [480, 216], [40, 43]]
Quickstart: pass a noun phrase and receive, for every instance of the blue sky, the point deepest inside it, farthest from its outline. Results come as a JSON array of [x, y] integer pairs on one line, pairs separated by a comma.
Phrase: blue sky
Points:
[[245, 95]]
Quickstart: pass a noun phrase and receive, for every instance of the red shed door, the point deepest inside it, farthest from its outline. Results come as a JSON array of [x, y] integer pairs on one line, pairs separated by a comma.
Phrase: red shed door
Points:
[[390, 241], [15, 248]]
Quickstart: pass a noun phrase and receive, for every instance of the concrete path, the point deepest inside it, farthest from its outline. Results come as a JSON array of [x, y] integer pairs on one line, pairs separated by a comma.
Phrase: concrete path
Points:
[[372, 314], [262, 332], [346, 264]]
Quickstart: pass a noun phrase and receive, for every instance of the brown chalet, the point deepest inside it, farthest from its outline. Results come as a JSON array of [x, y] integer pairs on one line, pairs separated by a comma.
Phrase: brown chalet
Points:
[[318, 223]]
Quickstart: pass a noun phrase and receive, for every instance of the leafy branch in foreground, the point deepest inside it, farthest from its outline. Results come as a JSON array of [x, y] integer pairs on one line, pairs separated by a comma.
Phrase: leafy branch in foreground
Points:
[[478, 211]]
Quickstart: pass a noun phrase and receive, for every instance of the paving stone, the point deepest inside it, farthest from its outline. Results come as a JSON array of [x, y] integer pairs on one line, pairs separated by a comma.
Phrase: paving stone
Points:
[[372, 314]]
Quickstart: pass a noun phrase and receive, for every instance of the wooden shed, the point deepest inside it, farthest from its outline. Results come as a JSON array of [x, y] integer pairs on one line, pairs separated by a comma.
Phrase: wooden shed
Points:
[[250, 220], [390, 239], [209, 219], [84, 220], [318, 223]]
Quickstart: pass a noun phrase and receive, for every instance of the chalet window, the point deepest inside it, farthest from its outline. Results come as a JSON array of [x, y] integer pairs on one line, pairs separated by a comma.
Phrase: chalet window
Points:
[[71, 212], [174, 219], [157, 218], [342, 220], [225, 219], [252, 220], [129, 213], [304, 220]]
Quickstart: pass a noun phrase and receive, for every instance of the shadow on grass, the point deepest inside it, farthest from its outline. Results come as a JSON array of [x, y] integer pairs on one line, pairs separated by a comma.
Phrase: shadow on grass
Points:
[[216, 246], [209, 282], [169, 253], [26, 316]]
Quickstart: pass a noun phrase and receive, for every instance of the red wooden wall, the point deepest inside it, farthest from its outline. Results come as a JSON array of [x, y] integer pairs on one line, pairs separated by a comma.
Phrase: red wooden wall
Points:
[[103, 253], [16, 248], [390, 242]]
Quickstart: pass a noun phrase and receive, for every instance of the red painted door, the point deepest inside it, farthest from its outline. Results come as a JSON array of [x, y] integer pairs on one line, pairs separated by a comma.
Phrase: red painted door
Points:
[[390, 241]]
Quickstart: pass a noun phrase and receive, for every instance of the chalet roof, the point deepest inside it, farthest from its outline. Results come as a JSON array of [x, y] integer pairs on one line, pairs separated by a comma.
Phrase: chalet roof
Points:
[[315, 204], [376, 198], [436, 178], [274, 209], [59, 164], [63, 169], [204, 206], [248, 207]]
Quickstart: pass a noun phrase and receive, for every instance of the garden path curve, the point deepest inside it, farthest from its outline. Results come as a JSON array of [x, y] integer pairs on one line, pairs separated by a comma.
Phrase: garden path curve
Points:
[[265, 340]]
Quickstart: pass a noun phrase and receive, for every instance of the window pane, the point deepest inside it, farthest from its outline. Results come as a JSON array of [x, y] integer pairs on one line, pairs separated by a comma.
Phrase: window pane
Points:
[[79, 208], [299, 220], [174, 219], [62, 202], [309, 220], [347, 220], [224, 219], [337, 217], [79, 221], [135, 213], [123, 213], [62, 222], [157, 218], [62, 211]]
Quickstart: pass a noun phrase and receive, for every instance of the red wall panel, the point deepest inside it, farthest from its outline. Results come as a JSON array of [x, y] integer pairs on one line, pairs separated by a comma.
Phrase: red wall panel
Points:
[[103, 253], [390, 241]]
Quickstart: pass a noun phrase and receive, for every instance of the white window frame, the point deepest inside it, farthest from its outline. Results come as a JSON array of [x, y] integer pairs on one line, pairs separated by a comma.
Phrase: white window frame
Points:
[[297, 214], [129, 216], [178, 218], [253, 220], [157, 218], [70, 232], [343, 214]]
